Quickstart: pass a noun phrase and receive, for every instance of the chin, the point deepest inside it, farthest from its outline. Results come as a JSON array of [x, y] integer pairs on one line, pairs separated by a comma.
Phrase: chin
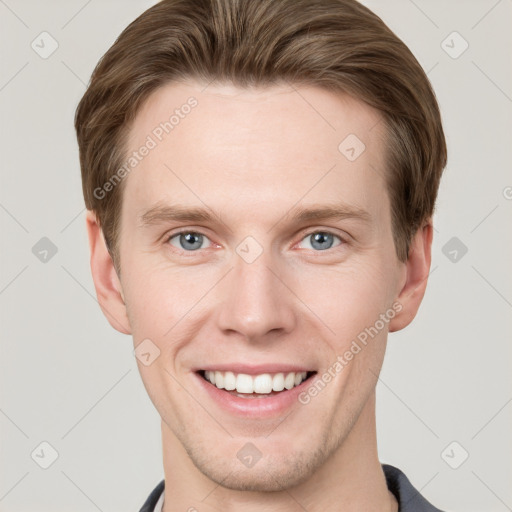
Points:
[[268, 474], [263, 479]]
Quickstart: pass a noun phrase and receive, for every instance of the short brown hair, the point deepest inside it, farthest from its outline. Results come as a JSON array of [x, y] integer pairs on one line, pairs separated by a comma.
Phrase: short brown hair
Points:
[[339, 45]]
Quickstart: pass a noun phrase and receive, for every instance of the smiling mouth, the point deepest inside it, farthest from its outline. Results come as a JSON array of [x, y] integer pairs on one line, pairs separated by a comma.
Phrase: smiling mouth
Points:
[[255, 386]]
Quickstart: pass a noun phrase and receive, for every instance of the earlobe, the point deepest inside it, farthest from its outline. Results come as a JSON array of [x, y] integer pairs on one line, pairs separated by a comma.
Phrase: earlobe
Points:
[[416, 270], [106, 282]]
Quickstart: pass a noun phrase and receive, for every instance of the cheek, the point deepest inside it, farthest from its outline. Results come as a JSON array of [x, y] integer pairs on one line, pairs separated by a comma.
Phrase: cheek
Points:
[[347, 299], [159, 296], [147, 298]]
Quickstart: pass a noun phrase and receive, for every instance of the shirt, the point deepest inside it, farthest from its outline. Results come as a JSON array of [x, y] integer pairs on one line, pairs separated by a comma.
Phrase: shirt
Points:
[[409, 499]]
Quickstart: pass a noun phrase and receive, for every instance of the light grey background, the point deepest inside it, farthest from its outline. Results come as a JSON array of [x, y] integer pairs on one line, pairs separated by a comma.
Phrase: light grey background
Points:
[[69, 379]]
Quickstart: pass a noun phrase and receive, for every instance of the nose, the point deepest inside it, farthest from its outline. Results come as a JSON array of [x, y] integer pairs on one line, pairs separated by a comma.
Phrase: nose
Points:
[[254, 300]]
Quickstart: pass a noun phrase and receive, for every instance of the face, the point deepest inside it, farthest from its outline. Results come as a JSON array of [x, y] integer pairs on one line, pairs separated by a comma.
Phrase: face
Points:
[[256, 239]]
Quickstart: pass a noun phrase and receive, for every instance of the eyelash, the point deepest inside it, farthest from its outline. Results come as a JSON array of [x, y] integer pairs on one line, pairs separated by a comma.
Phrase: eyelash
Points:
[[342, 240]]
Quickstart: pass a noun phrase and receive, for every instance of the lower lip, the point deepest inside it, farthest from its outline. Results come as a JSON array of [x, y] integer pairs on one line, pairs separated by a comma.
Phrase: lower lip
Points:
[[255, 407]]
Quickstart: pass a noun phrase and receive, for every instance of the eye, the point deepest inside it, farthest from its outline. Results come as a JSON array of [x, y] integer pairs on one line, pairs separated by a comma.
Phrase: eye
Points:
[[189, 240], [321, 240]]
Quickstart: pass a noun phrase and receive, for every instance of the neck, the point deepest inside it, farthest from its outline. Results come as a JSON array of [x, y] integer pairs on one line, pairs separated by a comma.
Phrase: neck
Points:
[[351, 479]]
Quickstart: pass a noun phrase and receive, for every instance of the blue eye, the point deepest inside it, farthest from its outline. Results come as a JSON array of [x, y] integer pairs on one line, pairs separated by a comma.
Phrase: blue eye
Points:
[[188, 240], [191, 241], [321, 240]]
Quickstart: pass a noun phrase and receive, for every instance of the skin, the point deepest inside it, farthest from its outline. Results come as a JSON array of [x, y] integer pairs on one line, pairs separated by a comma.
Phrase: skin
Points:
[[252, 156]]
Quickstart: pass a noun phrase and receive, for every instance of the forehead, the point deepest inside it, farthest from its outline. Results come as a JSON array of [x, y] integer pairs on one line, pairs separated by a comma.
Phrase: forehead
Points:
[[267, 144]]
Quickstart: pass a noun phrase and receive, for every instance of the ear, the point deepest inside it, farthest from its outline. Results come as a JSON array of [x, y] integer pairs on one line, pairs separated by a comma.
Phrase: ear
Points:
[[107, 284], [415, 276]]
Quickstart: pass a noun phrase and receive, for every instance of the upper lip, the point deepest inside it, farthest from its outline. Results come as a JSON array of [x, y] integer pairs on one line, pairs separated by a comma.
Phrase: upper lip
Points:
[[255, 369]]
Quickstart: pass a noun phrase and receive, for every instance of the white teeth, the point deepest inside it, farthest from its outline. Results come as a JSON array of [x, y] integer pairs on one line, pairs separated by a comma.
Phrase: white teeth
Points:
[[229, 381], [244, 383], [264, 383], [289, 382], [278, 382], [219, 380]]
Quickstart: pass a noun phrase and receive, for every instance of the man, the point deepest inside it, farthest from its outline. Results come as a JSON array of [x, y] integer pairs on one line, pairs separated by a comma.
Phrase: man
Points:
[[260, 178]]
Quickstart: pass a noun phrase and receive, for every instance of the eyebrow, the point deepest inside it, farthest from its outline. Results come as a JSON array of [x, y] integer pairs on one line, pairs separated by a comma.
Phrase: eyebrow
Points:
[[324, 212], [163, 213], [166, 213]]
